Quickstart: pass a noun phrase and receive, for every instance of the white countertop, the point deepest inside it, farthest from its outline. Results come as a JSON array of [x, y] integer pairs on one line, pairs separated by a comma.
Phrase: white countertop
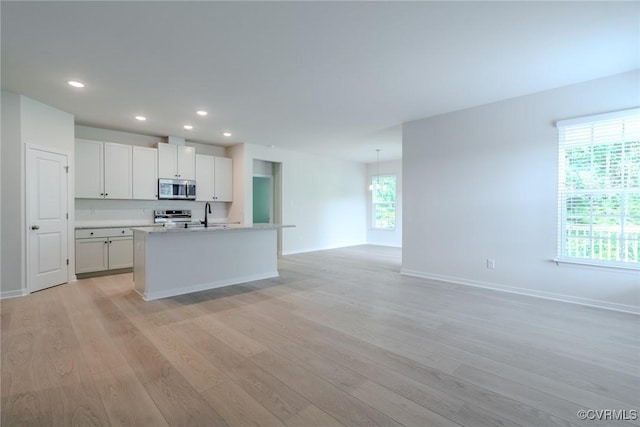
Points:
[[80, 225], [211, 228]]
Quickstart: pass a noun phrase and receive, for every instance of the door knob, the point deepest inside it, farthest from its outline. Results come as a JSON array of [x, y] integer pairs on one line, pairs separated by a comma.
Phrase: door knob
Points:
[[35, 227]]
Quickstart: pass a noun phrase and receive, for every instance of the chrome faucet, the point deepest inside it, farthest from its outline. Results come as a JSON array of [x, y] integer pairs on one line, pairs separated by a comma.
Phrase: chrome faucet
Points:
[[207, 207]]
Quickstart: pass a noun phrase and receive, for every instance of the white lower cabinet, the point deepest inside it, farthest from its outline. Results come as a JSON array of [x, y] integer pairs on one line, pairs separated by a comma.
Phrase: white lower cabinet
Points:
[[102, 249], [92, 255], [120, 252]]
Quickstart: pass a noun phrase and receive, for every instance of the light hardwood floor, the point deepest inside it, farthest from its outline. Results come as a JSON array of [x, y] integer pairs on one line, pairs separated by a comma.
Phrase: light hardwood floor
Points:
[[340, 338]]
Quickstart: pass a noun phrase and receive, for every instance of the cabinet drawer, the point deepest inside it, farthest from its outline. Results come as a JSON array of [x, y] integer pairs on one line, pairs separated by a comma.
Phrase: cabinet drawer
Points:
[[89, 233]]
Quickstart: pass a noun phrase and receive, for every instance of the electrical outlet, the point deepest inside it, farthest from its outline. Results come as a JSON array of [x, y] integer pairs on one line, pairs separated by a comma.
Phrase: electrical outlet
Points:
[[491, 263]]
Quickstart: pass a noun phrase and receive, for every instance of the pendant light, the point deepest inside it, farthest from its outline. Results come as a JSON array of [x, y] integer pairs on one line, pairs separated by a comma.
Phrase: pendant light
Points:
[[377, 171]]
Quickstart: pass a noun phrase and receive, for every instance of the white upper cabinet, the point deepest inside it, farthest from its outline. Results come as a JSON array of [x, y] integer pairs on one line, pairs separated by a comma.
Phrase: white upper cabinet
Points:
[[213, 179], [103, 170], [176, 161], [186, 162], [167, 161], [106, 170], [145, 173], [223, 179], [89, 169], [204, 178], [117, 171]]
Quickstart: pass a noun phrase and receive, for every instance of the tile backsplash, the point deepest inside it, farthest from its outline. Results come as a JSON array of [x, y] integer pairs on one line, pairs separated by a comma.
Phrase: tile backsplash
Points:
[[138, 212]]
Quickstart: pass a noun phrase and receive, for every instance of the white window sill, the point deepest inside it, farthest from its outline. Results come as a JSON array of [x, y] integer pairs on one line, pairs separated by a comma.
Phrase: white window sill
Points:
[[628, 268]]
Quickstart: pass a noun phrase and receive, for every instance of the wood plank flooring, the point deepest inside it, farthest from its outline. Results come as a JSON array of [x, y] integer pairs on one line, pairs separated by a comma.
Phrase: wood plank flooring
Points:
[[340, 338]]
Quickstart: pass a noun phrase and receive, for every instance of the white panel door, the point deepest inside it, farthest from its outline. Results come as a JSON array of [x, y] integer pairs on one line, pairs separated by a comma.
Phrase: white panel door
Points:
[[223, 179], [145, 173], [117, 171], [204, 178], [47, 214]]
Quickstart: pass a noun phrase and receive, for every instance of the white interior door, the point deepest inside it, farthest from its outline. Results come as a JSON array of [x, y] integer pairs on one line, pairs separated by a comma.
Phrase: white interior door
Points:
[[47, 218]]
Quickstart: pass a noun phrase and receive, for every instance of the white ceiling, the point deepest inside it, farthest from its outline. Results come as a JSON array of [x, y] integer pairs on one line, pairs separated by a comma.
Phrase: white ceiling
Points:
[[324, 77]]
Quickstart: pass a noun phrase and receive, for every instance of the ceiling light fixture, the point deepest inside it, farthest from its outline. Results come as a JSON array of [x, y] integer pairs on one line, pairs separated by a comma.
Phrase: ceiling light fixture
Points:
[[188, 127], [75, 83], [141, 118], [201, 113], [227, 134]]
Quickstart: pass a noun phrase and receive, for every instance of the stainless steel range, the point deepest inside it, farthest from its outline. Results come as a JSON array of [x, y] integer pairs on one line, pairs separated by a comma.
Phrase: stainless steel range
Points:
[[174, 218]]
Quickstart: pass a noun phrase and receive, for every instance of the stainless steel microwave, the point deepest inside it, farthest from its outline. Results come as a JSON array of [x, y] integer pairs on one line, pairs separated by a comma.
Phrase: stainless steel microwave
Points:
[[176, 189]]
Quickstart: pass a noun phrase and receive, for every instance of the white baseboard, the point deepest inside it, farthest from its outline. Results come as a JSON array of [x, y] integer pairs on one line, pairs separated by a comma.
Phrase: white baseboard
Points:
[[528, 292], [14, 294], [150, 296]]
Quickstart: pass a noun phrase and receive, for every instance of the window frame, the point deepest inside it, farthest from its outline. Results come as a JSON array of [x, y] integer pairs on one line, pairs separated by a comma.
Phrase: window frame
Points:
[[565, 193], [373, 203]]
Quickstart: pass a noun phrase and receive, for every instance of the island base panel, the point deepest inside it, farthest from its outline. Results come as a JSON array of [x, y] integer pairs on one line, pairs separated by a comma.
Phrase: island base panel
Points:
[[169, 264]]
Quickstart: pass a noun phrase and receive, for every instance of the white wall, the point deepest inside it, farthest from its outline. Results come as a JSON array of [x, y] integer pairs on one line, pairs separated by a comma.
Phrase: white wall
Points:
[[261, 167], [482, 183], [98, 134], [25, 121], [11, 231], [323, 197], [385, 237]]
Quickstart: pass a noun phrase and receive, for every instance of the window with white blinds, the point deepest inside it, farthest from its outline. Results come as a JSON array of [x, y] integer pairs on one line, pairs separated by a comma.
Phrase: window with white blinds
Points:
[[599, 189]]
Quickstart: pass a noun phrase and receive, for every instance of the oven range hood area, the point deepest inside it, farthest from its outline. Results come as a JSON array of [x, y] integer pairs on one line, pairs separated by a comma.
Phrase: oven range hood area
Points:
[[179, 218], [175, 218]]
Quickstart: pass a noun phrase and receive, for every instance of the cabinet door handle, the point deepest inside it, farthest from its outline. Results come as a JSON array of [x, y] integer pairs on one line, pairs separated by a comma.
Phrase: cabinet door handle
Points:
[[91, 233], [35, 227], [105, 242], [102, 194]]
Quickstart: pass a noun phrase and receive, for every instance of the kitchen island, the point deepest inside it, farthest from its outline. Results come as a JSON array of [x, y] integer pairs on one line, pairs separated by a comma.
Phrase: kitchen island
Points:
[[169, 261]]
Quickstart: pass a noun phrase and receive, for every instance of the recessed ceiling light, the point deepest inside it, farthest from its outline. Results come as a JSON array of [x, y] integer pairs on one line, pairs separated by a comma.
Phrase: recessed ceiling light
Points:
[[75, 84], [201, 113], [227, 134], [141, 118], [188, 127]]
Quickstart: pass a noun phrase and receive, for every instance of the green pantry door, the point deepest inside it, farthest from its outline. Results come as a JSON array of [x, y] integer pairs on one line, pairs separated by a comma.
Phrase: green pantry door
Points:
[[262, 188]]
